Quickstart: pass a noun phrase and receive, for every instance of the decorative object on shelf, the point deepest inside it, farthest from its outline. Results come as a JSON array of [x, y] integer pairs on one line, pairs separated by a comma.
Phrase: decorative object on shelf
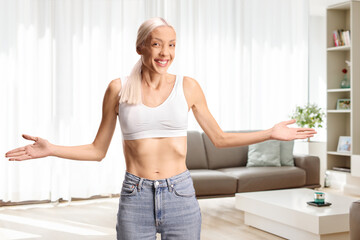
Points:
[[349, 64], [343, 104], [345, 82], [341, 37], [309, 116], [344, 144]]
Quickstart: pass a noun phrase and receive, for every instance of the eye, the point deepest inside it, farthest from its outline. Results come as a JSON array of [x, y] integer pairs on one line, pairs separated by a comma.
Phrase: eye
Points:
[[172, 45], [156, 44]]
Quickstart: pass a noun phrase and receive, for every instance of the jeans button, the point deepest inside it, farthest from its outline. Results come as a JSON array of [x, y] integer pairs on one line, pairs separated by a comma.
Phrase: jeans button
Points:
[[156, 183]]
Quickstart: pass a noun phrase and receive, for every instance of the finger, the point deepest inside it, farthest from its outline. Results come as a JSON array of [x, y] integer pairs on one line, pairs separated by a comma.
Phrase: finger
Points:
[[28, 137], [24, 157], [312, 133], [288, 122], [304, 136], [304, 133], [16, 150], [15, 154], [305, 129]]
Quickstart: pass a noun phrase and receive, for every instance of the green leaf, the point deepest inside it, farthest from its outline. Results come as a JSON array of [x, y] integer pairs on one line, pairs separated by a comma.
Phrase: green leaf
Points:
[[309, 115]]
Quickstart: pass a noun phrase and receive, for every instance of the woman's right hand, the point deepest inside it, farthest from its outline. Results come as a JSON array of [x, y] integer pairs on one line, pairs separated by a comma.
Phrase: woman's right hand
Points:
[[40, 148]]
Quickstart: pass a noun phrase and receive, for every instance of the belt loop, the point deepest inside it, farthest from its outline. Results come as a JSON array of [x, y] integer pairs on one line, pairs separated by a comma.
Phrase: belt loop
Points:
[[139, 185], [170, 186]]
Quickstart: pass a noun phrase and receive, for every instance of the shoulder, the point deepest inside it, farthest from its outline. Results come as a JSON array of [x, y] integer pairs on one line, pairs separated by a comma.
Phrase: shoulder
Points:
[[114, 86], [112, 94], [191, 86], [192, 91], [190, 83]]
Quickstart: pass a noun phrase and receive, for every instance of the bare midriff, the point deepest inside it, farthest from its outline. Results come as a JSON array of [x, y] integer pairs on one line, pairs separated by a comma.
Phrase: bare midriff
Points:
[[155, 158]]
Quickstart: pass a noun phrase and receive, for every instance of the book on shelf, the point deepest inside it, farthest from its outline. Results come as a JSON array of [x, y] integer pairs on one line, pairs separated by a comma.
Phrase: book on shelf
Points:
[[341, 37], [341, 169]]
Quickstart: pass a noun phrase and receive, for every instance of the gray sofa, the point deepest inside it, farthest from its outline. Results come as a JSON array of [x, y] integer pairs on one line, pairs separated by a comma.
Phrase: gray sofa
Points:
[[355, 221], [222, 172]]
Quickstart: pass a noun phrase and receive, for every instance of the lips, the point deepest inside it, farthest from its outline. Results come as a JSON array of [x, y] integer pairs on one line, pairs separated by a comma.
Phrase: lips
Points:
[[161, 62]]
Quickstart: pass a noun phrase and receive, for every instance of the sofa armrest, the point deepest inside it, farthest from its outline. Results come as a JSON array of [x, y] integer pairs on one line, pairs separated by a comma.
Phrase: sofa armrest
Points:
[[355, 220], [311, 165]]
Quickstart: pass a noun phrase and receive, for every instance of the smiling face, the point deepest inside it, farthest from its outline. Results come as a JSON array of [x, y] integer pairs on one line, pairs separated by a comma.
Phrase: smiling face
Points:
[[158, 51]]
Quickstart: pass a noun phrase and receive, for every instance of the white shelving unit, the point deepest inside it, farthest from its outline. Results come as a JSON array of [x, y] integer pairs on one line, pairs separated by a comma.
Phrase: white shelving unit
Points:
[[343, 122]]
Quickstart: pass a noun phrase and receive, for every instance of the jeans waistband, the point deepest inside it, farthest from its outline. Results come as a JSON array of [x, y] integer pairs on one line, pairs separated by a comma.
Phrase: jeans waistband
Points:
[[166, 182]]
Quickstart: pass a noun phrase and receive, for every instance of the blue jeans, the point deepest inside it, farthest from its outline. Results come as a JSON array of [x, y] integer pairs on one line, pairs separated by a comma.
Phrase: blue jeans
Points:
[[166, 206]]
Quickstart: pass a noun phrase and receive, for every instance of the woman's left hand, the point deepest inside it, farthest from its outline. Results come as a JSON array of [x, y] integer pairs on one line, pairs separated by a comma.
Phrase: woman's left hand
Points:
[[282, 132]]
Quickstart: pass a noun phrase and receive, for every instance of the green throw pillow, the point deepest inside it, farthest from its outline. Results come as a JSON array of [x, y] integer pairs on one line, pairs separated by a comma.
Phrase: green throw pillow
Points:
[[286, 153], [264, 154]]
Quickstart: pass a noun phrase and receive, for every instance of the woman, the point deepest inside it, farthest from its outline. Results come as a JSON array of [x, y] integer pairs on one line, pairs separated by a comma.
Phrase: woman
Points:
[[152, 106]]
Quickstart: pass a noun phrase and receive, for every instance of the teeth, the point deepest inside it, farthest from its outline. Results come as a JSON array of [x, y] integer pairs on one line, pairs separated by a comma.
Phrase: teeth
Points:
[[162, 62]]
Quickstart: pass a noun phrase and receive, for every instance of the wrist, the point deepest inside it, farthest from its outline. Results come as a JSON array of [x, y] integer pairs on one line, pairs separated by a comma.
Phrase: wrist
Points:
[[268, 134], [52, 150]]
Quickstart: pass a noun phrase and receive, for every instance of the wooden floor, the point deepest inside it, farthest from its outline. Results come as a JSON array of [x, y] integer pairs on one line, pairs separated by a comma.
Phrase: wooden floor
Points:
[[96, 219], [221, 220]]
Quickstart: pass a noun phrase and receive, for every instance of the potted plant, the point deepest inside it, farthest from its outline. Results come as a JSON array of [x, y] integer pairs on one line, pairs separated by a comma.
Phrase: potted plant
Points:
[[309, 116]]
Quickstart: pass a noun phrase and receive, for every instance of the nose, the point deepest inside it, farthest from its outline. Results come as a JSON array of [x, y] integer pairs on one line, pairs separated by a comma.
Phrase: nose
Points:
[[164, 50]]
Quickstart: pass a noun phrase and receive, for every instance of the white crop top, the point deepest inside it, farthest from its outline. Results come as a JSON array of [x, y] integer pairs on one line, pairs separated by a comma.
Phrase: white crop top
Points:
[[169, 119]]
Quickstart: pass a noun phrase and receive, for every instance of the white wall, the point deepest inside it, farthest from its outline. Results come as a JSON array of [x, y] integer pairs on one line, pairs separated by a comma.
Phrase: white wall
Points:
[[317, 67]]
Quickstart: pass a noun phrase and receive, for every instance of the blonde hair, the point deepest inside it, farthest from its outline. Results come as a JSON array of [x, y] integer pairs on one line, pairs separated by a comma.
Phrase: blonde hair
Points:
[[131, 92]]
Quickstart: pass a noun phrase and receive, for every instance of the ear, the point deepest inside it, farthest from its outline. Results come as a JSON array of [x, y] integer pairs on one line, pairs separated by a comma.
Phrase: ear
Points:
[[139, 50]]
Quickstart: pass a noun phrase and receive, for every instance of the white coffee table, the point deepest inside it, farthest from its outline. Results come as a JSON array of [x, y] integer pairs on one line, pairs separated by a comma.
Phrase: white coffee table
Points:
[[285, 213]]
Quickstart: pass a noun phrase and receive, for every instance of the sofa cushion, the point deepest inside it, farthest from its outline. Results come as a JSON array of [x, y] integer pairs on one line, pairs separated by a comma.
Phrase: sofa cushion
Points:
[[213, 182], [264, 154], [196, 156], [224, 157], [266, 178], [311, 165], [355, 220], [286, 153]]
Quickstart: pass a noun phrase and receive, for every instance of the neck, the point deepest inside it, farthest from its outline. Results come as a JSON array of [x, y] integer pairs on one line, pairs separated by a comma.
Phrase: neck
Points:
[[152, 79]]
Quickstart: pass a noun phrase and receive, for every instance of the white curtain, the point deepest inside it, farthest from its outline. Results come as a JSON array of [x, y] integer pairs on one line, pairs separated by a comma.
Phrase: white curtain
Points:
[[57, 58]]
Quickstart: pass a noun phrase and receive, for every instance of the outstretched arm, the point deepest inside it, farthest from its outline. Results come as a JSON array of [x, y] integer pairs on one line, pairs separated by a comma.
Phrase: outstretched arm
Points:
[[95, 151], [220, 139]]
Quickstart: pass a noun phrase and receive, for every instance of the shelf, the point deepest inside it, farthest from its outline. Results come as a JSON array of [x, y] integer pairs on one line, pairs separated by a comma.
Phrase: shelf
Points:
[[338, 111], [344, 122], [339, 153], [339, 48], [340, 6], [342, 169], [332, 171], [339, 90]]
